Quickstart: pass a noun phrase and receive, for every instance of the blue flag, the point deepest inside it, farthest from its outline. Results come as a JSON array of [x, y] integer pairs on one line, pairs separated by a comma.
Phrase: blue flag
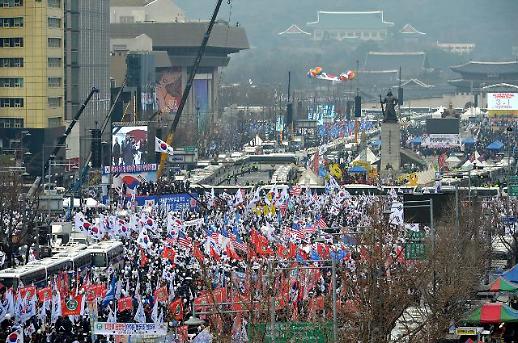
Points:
[[110, 294]]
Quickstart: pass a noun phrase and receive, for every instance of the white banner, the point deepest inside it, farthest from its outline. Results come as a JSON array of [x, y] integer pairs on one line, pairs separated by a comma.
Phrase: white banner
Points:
[[502, 101], [441, 141], [130, 329]]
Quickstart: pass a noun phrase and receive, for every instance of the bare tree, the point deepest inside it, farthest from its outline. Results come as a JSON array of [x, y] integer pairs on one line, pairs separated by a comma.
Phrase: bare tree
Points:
[[18, 215]]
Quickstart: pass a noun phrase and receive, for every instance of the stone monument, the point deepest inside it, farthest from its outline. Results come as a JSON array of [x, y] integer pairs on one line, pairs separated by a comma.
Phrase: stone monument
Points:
[[390, 137]]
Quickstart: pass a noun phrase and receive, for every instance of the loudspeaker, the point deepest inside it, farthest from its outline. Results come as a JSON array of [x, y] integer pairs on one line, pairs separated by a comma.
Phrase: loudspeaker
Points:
[[95, 147], [289, 114], [400, 96], [357, 106], [134, 70], [44, 235]]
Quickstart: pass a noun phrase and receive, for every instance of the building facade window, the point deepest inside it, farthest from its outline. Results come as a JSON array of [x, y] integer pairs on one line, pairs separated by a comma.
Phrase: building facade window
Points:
[[54, 3], [15, 42], [11, 22], [11, 122], [126, 19], [54, 62], [54, 42], [54, 102], [11, 102], [11, 82], [11, 3], [54, 122], [11, 62], [54, 82], [54, 23]]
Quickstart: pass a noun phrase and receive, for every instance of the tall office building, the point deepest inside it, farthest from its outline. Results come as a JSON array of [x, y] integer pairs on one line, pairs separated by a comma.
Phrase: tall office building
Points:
[[31, 64], [87, 53]]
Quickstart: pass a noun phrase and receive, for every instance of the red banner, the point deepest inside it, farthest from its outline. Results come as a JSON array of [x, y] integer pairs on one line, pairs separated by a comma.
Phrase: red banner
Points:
[[71, 306], [161, 294], [125, 304], [176, 309], [28, 292], [45, 294]]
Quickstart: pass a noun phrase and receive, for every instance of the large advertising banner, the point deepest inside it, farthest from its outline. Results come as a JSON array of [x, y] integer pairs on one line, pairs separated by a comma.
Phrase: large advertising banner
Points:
[[169, 90], [201, 96], [131, 180], [502, 101], [129, 145]]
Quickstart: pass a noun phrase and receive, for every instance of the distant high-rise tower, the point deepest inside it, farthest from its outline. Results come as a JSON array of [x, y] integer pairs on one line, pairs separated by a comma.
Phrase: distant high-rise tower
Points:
[[87, 54]]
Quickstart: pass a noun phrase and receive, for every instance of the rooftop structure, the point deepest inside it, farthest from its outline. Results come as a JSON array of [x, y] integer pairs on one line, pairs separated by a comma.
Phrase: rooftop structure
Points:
[[294, 30], [477, 74], [138, 11], [180, 43], [350, 25], [457, 48]]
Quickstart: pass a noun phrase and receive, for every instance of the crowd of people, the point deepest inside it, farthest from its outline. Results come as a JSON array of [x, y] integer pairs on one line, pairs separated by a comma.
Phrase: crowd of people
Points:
[[173, 259], [162, 186]]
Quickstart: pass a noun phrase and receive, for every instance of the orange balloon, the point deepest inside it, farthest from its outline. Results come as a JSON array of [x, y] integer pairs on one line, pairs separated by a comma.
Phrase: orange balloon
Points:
[[318, 70]]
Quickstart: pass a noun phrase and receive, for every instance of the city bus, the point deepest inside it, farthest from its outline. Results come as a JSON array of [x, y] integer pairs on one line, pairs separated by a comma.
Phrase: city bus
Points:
[[106, 254], [26, 275]]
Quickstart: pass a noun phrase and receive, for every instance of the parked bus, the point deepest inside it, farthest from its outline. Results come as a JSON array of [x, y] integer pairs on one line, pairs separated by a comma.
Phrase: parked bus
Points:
[[106, 254], [27, 275]]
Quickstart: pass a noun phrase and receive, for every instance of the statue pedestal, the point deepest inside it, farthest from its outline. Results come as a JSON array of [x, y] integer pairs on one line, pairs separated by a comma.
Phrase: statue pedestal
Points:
[[390, 148]]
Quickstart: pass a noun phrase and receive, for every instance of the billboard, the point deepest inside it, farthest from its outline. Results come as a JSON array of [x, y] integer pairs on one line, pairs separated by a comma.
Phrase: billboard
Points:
[[444, 126], [502, 101], [131, 180], [441, 141], [169, 90], [129, 145]]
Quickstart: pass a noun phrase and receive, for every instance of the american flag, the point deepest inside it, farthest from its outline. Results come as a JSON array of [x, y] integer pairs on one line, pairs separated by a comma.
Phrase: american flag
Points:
[[321, 223], [296, 190], [309, 229], [238, 243], [215, 236], [184, 240], [295, 232], [283, 207]]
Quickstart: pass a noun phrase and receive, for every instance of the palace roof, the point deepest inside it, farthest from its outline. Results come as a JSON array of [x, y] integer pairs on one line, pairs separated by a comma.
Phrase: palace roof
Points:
[[477, 67], [372, 20]]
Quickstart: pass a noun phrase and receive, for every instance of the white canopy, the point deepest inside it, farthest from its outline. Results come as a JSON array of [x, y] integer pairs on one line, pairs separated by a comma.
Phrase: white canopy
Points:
[[367, 155], [309, 178]]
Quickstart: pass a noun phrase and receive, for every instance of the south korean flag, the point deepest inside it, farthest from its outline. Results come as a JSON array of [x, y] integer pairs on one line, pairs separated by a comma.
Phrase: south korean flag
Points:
[[163, 147]]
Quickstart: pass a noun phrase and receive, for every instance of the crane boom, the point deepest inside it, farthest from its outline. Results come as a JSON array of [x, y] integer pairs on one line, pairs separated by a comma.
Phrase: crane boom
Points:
[[63, 138], [188, 85]]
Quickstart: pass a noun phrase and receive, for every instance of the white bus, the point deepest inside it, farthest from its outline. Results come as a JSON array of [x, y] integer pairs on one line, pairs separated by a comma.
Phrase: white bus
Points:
[[28, 275], [106, 254]]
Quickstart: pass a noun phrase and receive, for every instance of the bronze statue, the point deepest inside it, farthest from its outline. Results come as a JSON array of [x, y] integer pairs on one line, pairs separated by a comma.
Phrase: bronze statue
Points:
[[389, 112]]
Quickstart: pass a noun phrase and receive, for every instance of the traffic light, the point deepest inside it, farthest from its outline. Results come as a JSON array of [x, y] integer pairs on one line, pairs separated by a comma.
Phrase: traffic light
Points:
[[357, 106], [95, 147]]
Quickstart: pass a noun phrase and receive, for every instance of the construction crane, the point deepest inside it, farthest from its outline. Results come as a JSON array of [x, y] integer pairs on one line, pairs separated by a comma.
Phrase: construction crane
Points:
[[61, 142], [188, 85]]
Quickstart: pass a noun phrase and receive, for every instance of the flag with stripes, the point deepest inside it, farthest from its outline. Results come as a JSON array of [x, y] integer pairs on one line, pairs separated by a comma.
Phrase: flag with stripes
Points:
[[184, 240], [296, 190], [320, 222]]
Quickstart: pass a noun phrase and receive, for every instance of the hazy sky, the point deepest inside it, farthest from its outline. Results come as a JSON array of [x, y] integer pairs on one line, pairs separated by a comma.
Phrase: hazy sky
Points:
[[485, 22]]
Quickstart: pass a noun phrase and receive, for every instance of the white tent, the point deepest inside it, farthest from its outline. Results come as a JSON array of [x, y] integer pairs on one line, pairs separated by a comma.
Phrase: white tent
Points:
[[438, 113], [453, 161], [367, 155], [471, 112], [257, 141], [309, 178]]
